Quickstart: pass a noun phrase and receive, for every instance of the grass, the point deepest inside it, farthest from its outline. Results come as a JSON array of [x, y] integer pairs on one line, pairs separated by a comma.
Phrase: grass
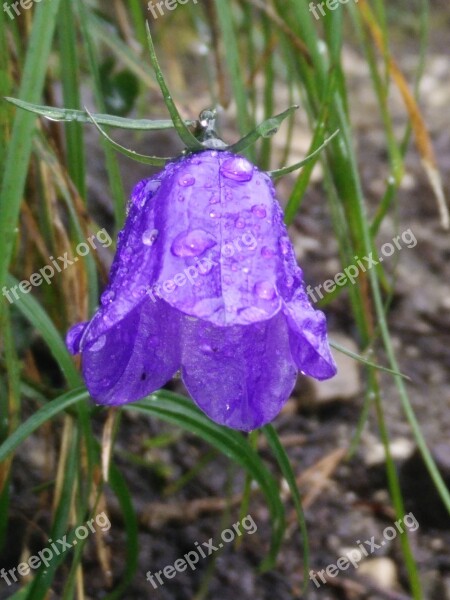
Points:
[[61, 44]]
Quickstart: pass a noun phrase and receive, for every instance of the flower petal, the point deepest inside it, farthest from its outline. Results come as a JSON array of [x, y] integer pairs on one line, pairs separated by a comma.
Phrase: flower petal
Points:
[[308, 337], [240, 376], [135, 263], [134, 357], [220, 250]]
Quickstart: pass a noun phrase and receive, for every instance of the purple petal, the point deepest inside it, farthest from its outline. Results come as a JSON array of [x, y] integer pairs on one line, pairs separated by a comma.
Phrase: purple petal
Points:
[[135, 262], [74, 335], [240, 376], [308, 337], [219, 254], [134, 357]]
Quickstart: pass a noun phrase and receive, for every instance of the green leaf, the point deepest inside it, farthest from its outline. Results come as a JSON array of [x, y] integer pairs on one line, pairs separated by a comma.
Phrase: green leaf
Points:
[[67, 114], [314, 155], [186, 136], [155, 161], [265, 129]]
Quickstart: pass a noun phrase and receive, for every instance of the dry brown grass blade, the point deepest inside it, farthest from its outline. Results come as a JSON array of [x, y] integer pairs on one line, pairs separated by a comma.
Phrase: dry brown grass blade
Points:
[[317, 477], [107, 440], [423, 141]]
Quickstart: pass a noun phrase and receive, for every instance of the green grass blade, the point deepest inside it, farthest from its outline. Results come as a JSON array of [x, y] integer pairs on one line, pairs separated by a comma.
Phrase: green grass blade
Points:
[[36, 315], [286, 468], [180, 411], [43, 415], [19, 149], [70, 77]]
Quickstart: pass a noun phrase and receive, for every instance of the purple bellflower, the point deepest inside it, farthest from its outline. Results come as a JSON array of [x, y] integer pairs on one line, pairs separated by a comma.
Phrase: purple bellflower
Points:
[[205, 281]]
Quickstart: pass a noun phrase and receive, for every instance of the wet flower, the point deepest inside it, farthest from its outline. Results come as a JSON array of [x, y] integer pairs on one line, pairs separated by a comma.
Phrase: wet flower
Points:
[[205, 280]]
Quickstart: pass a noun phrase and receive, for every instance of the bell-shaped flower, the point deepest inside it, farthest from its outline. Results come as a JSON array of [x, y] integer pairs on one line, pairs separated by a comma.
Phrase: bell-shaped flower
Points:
[[205, 281]]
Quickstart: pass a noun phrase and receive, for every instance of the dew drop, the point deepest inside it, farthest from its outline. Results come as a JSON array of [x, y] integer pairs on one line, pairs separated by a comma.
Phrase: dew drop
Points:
[[186, 180], [265, 290], [267, 252], [259, 211], [285, 245], [239, 223], [289, 281], [138, 292], [149, 237], [238, 169], [107, 297], [98, 345], [192, 243], [153, 186], [214, 214]]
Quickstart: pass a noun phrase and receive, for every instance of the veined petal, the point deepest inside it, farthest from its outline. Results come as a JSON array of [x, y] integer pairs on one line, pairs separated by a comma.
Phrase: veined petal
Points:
[[135, 262], [135, 356], [240, 376], [220, 251], [308, 337]]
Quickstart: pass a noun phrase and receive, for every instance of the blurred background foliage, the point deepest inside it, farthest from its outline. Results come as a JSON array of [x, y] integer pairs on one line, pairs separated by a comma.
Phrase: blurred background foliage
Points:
[[60, 184]]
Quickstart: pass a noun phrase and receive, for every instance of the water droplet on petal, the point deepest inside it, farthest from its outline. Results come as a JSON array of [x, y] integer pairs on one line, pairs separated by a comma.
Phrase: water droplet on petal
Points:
[[265, 290], [285, 245], [138, 292], [238, 169], [192, 243], [239, 223], [289, 281], [267, 252], [98, 345], [186, 180], [214, 214], [149, 237], [153, 186], [259, 211], [107, 297]]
